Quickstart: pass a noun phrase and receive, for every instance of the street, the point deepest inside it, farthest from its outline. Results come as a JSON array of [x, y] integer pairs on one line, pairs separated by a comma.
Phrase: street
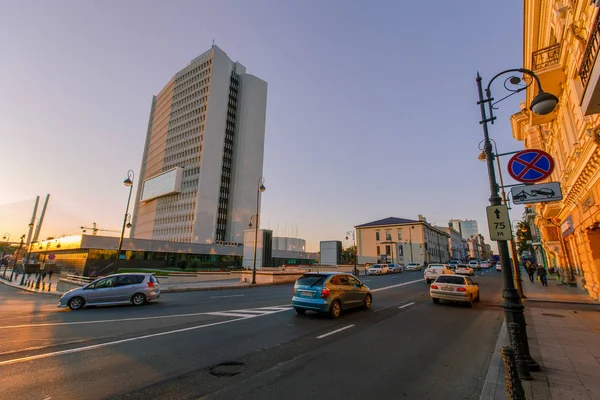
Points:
[[175, 348]]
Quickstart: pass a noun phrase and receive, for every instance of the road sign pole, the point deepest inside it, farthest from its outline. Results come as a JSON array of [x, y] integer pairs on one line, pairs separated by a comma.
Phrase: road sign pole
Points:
[[512, 305]]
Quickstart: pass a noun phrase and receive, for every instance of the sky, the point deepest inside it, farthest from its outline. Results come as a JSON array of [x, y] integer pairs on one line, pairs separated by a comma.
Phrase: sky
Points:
[[371, 107]]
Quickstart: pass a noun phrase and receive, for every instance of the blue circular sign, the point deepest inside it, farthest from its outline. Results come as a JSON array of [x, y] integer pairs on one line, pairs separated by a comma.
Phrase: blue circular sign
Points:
[[530, 166]]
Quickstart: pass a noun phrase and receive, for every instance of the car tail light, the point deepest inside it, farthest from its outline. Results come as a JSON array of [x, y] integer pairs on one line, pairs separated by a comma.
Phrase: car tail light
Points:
[[434, 286], [150, 284], [325, 293], [461, 289]]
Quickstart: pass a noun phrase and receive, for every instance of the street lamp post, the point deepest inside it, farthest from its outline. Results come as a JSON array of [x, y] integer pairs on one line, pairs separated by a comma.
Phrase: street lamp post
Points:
[[260, 187], [410, 241], [6, 237], [543, 103], [127, 182], [513, 247], [12, 272], [355, 249]]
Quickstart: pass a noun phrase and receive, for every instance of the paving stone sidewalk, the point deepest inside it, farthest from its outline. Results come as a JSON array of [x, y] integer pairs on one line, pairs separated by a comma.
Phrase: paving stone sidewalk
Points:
[[563, 327]]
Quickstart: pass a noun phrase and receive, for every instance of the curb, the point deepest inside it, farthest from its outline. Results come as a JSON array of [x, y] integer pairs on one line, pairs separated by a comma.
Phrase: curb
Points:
[[494, 388], [209, 288], [562, 302], [31, 290]]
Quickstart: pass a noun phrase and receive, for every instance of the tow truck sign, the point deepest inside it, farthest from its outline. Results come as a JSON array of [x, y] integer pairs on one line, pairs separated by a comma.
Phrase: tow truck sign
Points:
[[540, 193]]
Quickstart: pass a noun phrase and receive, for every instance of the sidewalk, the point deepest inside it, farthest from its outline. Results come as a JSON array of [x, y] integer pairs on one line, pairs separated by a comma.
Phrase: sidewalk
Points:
[[164, 287], [563, 327], [33, 279]]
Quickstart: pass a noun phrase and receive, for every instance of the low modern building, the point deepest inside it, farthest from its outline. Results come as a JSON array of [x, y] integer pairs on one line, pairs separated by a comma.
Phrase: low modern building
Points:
[[402, 241], [84, 254], [478, 249]]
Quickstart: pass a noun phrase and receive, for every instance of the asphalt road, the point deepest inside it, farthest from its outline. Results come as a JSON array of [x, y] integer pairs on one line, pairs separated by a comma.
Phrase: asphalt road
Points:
[[404, 347]]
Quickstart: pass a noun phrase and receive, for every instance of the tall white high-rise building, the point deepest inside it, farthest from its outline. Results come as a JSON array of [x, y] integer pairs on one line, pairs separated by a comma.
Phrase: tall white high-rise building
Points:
[[467, 228], [203, 155]]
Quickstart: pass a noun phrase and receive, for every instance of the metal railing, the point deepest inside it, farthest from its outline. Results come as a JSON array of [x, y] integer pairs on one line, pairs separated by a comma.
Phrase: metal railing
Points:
[[546, 57], [591, 52]]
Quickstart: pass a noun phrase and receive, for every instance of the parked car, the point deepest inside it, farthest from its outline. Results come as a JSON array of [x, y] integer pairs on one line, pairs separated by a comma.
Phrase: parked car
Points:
[[498, 266], [475, 265], [464, 269], [330, 292], [395, 268], [454, 288], [484, 265], [378, 269], [133, 288], [414, 267], [435, 270]]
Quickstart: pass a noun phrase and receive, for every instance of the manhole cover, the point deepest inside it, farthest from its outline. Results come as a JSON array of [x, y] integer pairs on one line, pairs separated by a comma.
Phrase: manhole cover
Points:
[[230, 368], [553, 315]]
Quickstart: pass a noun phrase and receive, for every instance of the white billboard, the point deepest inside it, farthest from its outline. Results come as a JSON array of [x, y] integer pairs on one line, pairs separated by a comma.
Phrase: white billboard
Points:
[[168, 182]]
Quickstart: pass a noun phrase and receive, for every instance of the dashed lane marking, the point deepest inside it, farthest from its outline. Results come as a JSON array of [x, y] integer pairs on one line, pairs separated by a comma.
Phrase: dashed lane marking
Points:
[[395, 286], [334, 332], [407, 305]]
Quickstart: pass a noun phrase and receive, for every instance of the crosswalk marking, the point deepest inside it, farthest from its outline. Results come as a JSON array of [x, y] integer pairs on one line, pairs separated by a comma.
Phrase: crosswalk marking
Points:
[[250, 312]]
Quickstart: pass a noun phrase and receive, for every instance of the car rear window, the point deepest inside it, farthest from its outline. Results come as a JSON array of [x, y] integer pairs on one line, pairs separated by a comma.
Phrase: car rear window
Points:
[[456, 280], [436, 266], [310, 280], [153, 279]]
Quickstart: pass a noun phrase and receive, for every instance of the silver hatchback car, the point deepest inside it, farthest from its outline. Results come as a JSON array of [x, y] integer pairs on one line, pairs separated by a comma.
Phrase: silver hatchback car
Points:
[[133, 288]]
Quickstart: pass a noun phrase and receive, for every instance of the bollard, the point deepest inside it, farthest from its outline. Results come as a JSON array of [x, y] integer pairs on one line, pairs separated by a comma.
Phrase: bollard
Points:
[[50, 286], [514, 389], [43, 286], [517, 344]]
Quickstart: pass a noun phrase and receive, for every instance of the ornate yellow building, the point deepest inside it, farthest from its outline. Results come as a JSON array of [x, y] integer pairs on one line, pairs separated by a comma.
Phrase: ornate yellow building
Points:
[[561, 44]]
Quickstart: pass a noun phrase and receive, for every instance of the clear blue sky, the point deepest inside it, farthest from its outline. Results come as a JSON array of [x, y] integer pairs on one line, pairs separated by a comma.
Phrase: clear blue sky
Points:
[[371, 104]]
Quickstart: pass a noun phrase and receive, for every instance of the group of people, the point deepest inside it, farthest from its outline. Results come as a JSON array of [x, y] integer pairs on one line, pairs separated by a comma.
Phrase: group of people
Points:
[[533, 268]]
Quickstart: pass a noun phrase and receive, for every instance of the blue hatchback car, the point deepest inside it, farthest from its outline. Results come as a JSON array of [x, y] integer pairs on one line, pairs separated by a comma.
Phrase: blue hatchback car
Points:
[[330, 292]]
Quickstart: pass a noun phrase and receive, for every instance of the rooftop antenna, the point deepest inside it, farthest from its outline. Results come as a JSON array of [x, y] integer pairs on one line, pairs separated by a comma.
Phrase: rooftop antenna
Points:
[[213, 45]]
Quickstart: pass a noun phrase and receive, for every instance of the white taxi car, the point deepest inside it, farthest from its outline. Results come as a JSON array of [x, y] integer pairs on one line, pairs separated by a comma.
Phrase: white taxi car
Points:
[[435, 270], [464, 269], [454, 288], [378, 269]]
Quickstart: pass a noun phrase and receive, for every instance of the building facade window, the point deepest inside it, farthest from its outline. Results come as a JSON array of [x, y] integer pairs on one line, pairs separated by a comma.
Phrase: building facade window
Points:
[[378, 250], [388, 235], [377, 236]]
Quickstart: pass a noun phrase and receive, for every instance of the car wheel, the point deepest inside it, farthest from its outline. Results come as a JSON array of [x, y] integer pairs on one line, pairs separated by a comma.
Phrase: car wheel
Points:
[[477, 298], [138, 299], [436, 301], [428, 281], [76, 303], [368, 302], [336, 309], [471, 302], [300, 311]]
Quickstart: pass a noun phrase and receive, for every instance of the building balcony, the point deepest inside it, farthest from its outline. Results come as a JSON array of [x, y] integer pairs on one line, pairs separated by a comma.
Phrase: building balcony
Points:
[[547, 66], [589, 72]]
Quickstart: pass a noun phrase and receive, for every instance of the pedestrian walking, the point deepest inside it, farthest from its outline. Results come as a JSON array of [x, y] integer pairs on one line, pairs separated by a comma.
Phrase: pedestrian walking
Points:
[[530, 271], [541, 272]]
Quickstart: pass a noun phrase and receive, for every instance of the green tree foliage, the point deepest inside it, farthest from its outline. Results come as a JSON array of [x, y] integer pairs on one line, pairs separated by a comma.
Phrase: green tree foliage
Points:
[[348, 255], [523, 235]]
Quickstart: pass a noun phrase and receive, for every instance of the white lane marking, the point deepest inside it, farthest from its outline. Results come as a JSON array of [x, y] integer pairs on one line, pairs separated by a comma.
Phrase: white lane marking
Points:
[[232, 314], [394, 286], [260, 312], [271, 309], [407, 305], [116, 342], [330, 333], [222, 297]]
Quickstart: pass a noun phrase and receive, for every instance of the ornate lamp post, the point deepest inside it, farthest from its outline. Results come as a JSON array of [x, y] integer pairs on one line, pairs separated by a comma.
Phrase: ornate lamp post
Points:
[[355, 249], [127, 182], [259, 189], [543, 103]]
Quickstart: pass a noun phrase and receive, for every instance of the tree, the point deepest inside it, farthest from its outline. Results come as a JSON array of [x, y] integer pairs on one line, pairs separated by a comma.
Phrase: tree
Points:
[[524, 237], [348, 255]]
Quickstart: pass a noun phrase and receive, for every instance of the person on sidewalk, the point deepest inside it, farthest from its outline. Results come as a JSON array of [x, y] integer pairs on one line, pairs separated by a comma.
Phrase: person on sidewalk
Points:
[[541, 272], [530, 271]]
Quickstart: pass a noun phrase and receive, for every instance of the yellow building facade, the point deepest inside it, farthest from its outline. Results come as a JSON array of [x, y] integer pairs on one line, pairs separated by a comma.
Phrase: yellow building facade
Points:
[[561, 44]]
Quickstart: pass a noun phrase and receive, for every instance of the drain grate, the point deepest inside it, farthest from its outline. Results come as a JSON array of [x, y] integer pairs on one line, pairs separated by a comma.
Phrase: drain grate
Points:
[[230, 368], [553, 315]]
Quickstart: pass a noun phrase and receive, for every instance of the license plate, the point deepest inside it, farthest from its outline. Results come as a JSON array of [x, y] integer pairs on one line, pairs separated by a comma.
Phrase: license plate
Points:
[[305, 293], [449, 288]]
